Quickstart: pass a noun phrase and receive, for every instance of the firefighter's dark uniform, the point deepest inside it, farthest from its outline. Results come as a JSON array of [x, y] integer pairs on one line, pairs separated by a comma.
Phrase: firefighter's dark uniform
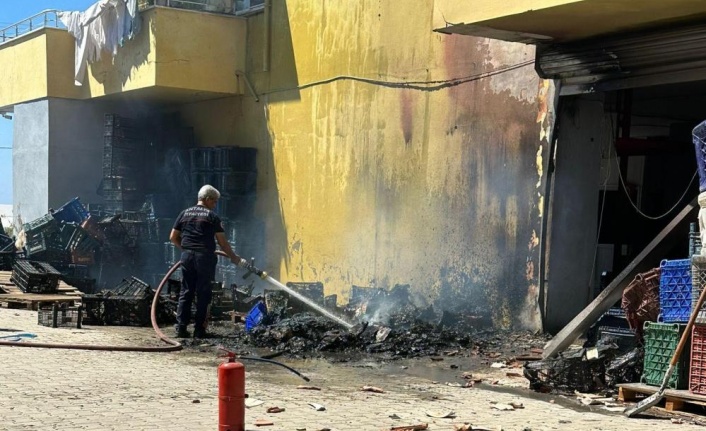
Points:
[[198, 226]]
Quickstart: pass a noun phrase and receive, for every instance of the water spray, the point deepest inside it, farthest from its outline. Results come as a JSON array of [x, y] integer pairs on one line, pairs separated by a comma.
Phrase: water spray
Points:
[[252, 269]]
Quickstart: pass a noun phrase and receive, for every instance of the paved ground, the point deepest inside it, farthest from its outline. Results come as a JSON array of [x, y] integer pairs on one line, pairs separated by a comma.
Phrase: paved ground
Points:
[[46, 389]]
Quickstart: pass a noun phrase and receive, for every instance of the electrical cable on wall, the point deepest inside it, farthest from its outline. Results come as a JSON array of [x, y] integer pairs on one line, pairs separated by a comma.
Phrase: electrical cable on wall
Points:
[[411, 85]]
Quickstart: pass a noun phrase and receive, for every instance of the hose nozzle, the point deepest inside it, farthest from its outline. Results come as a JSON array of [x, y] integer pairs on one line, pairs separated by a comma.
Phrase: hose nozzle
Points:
[[252, 269]]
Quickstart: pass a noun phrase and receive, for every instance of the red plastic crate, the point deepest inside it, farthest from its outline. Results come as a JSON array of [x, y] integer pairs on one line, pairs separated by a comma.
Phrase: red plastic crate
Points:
[[697, 368]]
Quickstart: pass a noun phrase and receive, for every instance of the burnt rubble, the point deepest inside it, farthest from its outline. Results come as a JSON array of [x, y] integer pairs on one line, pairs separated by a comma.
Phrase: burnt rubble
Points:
[[390, 326]]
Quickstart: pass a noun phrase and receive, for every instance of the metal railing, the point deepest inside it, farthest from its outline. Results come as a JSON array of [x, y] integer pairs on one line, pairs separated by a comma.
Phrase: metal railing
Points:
[[45, 18]]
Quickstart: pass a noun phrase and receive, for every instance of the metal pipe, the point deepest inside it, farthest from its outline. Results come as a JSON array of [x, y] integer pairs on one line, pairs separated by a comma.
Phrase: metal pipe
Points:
[[266, 39], [248, 84]]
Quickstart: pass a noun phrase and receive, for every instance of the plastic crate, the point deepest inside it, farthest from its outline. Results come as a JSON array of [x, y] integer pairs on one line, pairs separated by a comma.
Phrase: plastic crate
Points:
[[35, 277], [624, 338], [6, 243], [697, 366], [694, 240], [7, 259], [615, 312], [35, 244], [675, 290], [46, 224], [72, 211], [64, 317], [235, 158], [661, 341], [255, 316], [118, 183], [133, 287], [236, 183], [119, 121], [201, 178], [202, 159], [698, 281]]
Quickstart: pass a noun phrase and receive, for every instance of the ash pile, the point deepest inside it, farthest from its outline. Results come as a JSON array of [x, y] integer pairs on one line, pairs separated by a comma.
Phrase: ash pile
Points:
[[389, 324]]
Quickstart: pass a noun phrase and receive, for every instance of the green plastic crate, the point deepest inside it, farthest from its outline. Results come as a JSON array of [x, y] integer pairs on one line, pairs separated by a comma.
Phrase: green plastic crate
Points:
[[661, 341]]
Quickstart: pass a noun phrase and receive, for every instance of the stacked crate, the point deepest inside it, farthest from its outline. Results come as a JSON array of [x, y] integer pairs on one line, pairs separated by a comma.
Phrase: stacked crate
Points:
[[697, 368], [661, 338], [122, 164], [59, 236], [233, 171]]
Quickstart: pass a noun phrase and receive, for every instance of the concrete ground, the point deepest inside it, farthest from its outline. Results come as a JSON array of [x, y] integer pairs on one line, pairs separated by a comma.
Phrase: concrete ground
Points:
[[45, 389]]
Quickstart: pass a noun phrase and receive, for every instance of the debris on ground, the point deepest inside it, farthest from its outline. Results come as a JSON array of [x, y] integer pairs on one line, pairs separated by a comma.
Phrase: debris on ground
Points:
[[263, 422], [573, 370], [309, 388], [419, 427], [275, 409], [442, 415], [372, 389], [317, 407]]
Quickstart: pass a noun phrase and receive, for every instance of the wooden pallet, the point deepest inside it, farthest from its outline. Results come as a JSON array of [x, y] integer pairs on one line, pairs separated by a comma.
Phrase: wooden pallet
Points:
[[12, 297], [674, 399]]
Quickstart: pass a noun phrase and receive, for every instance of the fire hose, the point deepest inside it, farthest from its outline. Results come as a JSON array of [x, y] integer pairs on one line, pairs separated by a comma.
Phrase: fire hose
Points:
[[173, 345]]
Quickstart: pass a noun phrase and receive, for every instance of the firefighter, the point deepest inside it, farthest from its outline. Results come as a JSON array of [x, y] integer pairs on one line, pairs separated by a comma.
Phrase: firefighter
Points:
[[195, 233]]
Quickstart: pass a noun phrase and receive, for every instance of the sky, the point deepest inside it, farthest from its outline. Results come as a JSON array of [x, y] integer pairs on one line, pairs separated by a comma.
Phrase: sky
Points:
[[12, 11]]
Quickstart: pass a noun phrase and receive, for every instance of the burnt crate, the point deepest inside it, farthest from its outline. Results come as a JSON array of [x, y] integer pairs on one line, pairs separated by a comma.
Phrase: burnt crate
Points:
[[116, 310], [35, 277], [60, 316], [697, 368], [675, 290], [661, 341], [134, 287]]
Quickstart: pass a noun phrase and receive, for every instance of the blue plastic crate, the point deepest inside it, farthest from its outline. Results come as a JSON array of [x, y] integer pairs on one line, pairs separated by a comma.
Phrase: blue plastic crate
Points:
[[72, 211], [255, 316], [675, 290]]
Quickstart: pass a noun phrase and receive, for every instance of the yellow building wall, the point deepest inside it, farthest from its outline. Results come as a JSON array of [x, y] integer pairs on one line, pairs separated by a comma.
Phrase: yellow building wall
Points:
[[390, 154], [198, 51], [179, 54], [24, 70]]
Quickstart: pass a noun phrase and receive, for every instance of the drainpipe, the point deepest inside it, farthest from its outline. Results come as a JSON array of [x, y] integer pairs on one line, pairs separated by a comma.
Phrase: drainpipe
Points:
[[266, 49]]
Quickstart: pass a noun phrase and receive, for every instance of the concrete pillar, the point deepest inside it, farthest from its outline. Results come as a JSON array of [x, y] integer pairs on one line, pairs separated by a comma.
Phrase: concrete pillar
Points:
[[574, 209], [30, 160], [57, 154]]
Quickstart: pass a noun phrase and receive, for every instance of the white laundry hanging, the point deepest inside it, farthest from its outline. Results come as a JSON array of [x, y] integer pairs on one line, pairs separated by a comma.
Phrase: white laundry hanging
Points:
[[104, 26]]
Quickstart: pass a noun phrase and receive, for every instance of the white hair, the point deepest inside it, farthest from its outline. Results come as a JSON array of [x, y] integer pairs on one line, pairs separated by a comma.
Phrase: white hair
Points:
[[208, 191]]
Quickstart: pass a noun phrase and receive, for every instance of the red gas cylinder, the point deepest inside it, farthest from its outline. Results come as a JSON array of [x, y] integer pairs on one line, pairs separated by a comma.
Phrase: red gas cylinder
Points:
[[231, 395]]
